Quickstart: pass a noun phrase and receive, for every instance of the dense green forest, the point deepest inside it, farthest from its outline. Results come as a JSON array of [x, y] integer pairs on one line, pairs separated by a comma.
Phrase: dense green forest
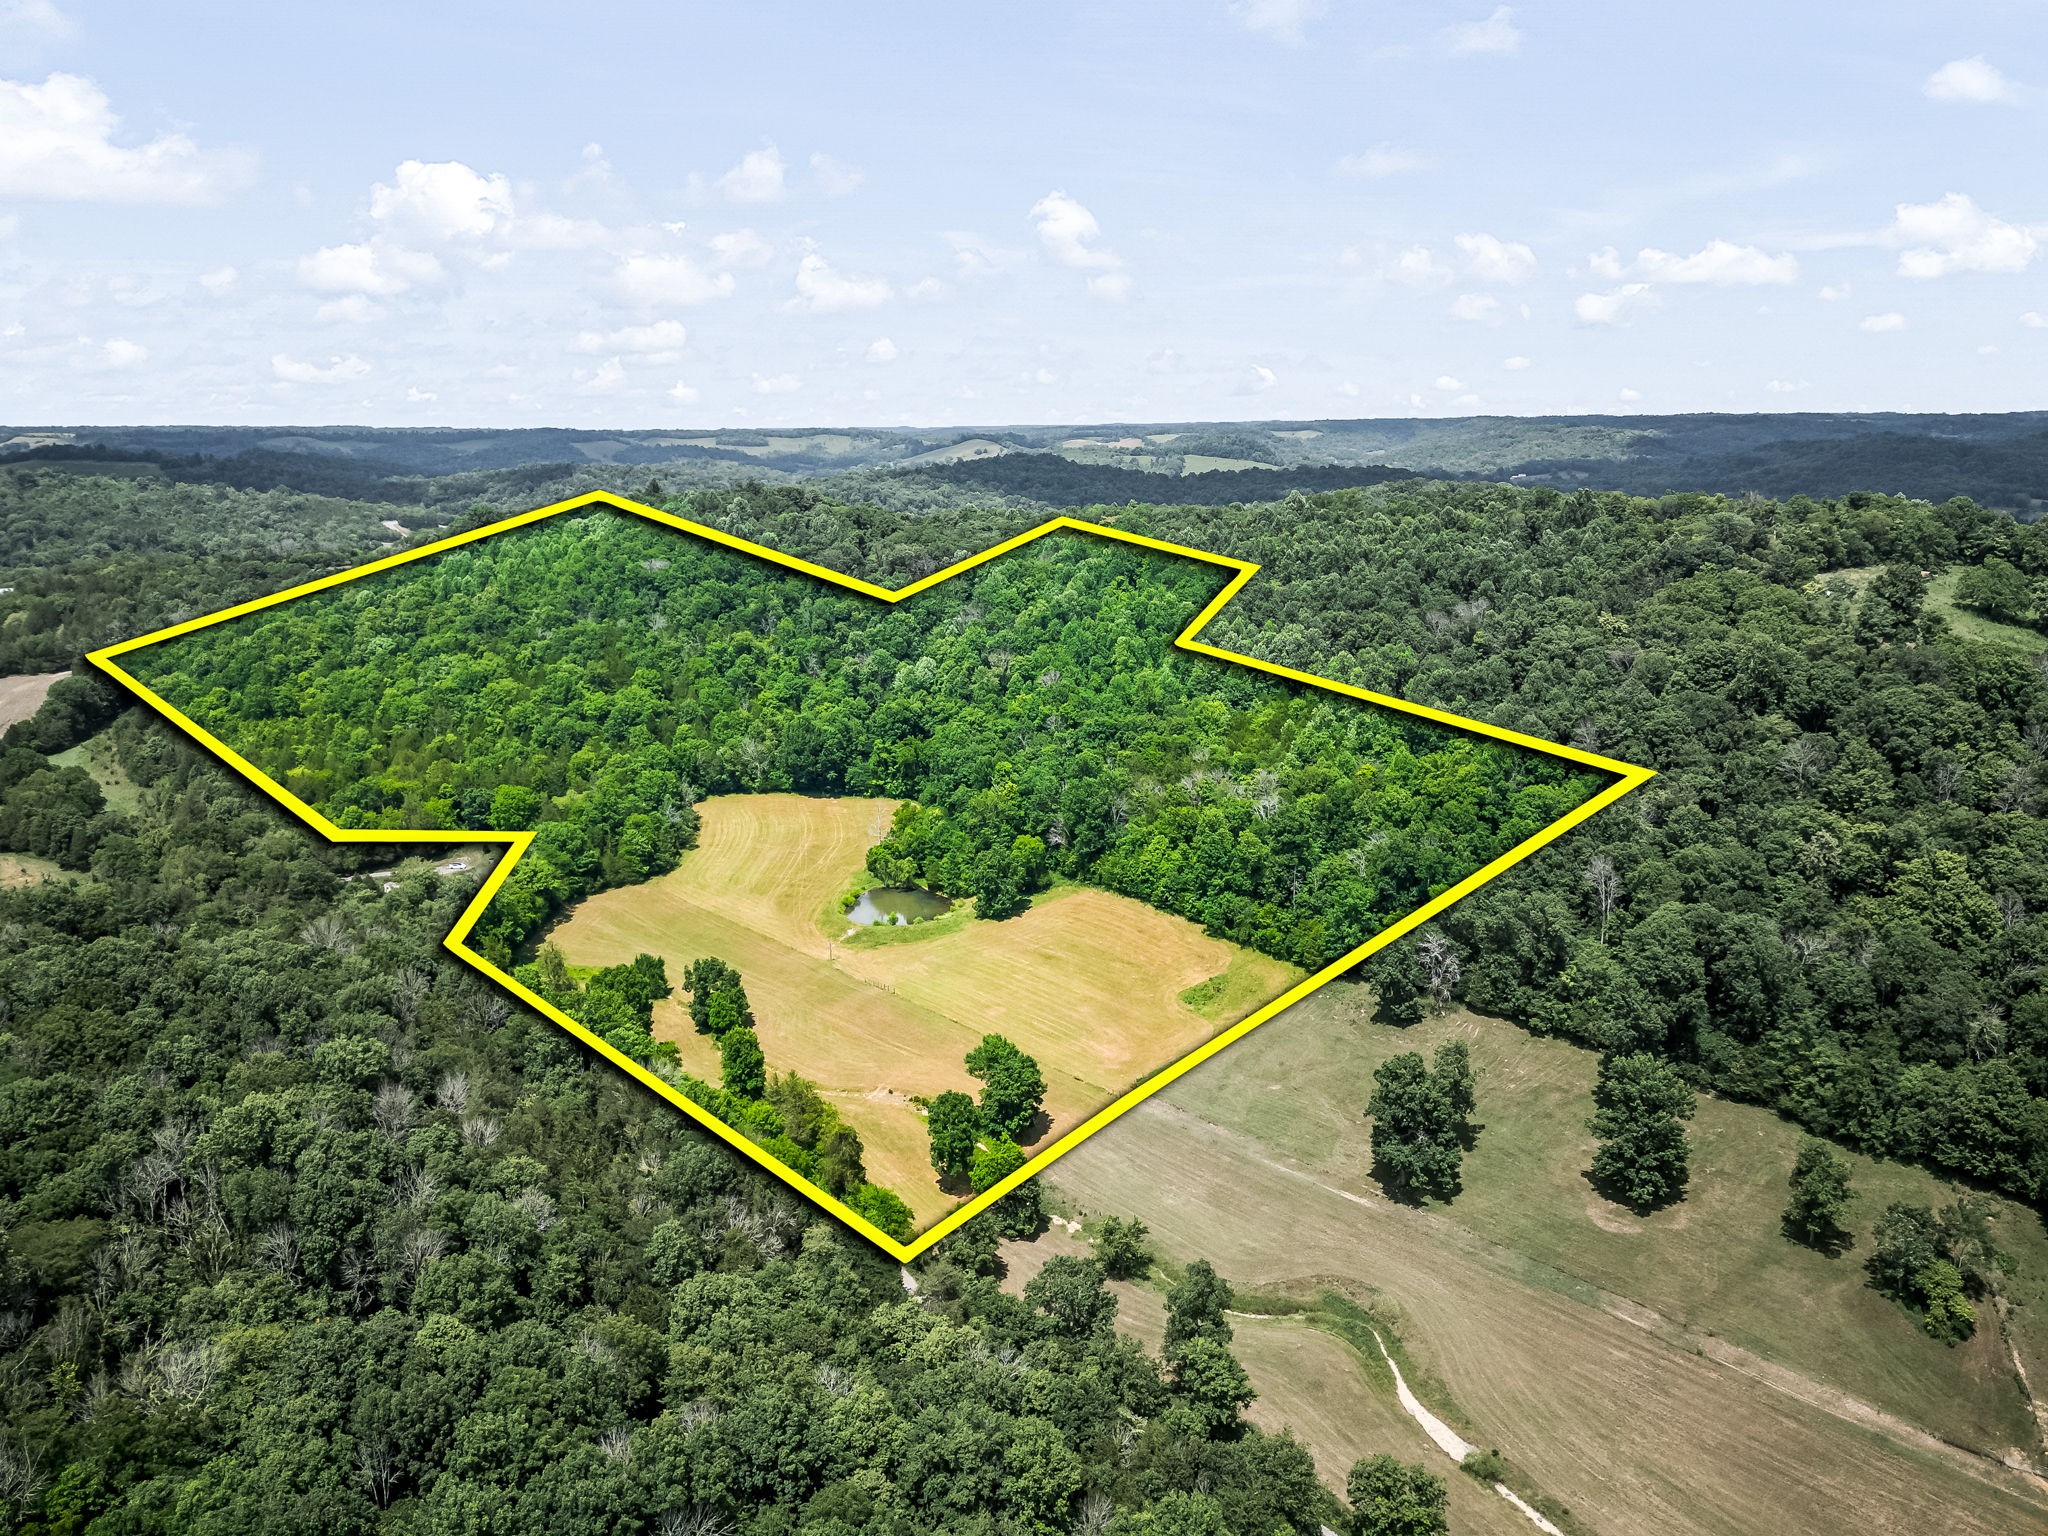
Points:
[[305, 1229], [589, 676], [301, 1222]]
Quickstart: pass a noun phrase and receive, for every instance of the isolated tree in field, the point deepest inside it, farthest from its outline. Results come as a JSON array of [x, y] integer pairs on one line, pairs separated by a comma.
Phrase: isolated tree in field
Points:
[[554, 974], [1820, 1197], [1389, 1497], [709, 981], [1012, 1086], [1417, 1140], [1998, 587], [743, 1068], [1195, 1305], [1891, 607], [1933, 1264], [1640, 1108], [1121, 1249], [954, 1125], [1451, 1068]]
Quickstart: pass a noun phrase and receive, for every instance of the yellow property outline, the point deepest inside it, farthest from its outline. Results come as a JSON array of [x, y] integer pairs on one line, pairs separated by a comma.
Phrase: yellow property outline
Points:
[[1628, 776]]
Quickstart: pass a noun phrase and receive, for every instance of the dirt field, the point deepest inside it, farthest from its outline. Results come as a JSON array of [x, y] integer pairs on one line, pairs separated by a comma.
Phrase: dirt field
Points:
[[1087, 983], [1691, 1373], [21, 696]]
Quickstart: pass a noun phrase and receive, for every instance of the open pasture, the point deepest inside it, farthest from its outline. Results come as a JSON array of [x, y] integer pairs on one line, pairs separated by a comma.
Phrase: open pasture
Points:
[[1087, 983]]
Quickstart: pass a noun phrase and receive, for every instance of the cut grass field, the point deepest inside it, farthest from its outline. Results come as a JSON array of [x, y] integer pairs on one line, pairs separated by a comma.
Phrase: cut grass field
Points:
[[22, 695], [1687, 1372], [97, 757], [1088, 983]]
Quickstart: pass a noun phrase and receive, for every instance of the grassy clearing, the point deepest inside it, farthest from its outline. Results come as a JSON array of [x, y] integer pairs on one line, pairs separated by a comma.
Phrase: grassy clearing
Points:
[[1691, 1372], [97, 757], [1941, 598], [1088, 983], [24, 869], [1716, 1262]]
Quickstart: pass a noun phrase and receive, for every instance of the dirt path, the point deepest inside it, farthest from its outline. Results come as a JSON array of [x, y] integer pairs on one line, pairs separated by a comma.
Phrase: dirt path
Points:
[[22, 695], [1780, 1378], [1638, 1424]]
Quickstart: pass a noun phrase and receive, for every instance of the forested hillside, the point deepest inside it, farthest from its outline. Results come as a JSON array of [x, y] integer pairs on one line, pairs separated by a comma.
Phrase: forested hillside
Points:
[[307, 1231], [589, 677], [304, 1231]]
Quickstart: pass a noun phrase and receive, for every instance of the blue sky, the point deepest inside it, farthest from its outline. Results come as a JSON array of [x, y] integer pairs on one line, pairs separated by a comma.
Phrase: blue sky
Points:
[[794, 214]]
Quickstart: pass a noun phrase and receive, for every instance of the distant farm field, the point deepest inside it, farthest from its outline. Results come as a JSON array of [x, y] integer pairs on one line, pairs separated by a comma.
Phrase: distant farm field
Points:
[[22, 695], [1088, 983], [1688, 1372]]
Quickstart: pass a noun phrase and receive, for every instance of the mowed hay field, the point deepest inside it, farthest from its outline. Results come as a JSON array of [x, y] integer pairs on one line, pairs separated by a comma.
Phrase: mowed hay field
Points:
[[22, 695], [1692, 1372], [1086, 982]]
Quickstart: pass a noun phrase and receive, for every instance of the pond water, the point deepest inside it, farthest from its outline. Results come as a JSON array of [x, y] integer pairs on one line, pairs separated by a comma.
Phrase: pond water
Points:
[[892, 904]]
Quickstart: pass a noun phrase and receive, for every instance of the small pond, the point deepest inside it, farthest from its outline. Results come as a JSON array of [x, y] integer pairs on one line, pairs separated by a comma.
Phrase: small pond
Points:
[[892, 904]]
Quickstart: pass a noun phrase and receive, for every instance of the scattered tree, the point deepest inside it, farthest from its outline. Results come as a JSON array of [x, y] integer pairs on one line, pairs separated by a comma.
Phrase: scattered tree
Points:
[[1012, 1086], [1121, 1248], [743, 1068], [1641, 1105], [1390, 1497], [954, 1125], [1820, 1197]]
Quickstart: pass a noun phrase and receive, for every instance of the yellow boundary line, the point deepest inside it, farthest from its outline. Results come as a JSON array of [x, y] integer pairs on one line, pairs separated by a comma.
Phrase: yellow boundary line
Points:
[[1628, 776]]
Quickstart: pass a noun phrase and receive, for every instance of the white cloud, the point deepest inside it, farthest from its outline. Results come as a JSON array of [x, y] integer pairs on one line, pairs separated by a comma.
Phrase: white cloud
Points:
[[756, 179], [1496, 34], [374, 269], [1606, 263], [337, 370], [1068, 232], [821, 289], [976, 255], [776, 384], [219, 280], [57, 142], [1785, 386], [1445, 381], [1970, 79], [352, 309], [1877, 324], [2034, 320], [445, 200], [37, 19], [1514, 363], [835, 177], [414, 395], [1496, 261], [1281, 20], [1262, 379], [1613, 308], [1415, 266], [608, 379], [682, 393], [1721, 263], [663, 280], [1834, 291], [659, 342], [1382, 160], [883, 350], [1629, 395], [1474, 306], [1348, 389], [1955, 235], [119, 352], [741, 248]]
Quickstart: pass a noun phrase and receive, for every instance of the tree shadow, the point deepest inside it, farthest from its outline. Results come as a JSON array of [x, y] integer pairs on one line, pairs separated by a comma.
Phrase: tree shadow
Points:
[[1831, 1243], [1613, 1194]]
